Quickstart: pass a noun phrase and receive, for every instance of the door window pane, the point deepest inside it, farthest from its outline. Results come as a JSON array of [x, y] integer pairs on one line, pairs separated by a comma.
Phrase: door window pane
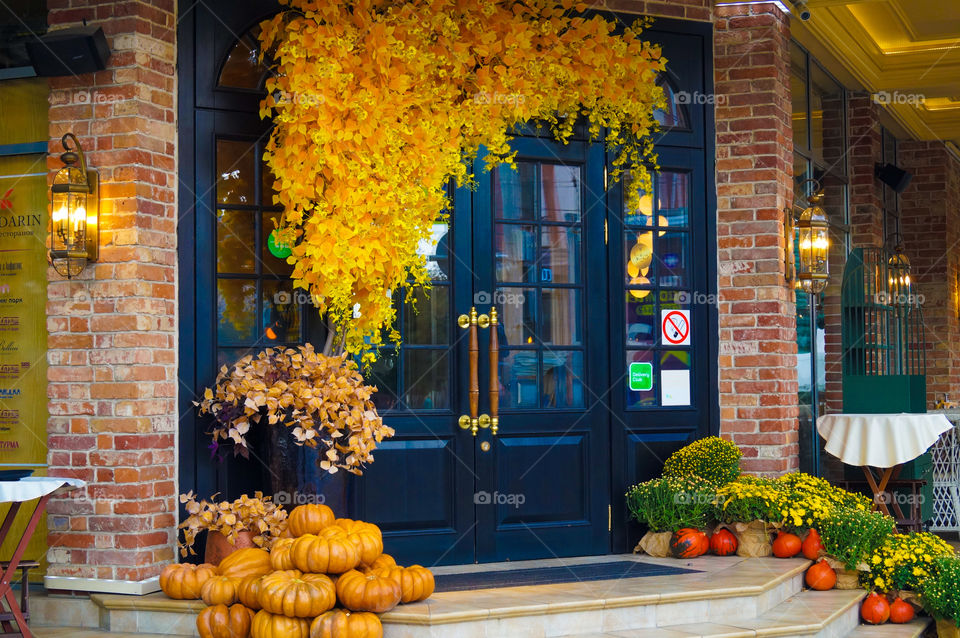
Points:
[[516, 254], [517, 308], [561, 317], [236, 310], [514, 191], [383, 374], [643, 215], [559, 254], [562, 379], [428, 318], [271, 265], [518, 379], [675, 377], [673, 260], [235, 241], [281, 315], [673, 199], [560, 193], [641, 379], [641, 324], [426, 377], [235, 172], [639, 267]]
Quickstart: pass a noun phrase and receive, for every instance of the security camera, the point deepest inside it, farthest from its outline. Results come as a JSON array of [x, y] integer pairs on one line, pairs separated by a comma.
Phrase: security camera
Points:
[[802, 10]]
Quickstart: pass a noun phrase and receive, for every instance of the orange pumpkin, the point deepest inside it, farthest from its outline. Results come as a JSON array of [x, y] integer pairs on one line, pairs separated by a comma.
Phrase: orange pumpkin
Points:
[[786, 545], [250, 561], [383, 560], [723, 543], [875, 609], [366, 536], [821, 576], [183, 581], [416, 582], [280, 558], [368, 592], [220, 621], [688, 543], [220, 590], [332, 553], [901, 611], [297, 595], [267, 625], [812, 545], [309, 519], [344, 624], [248, 591]]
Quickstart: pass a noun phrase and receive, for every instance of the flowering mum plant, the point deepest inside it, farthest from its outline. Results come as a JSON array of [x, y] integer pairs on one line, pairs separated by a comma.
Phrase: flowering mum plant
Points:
[[258, 514], [904, 561], [852, 536], [749, 499], [940, 591], [378, 105], [323, 400], [711, 458], [806, 501], [668, 504]]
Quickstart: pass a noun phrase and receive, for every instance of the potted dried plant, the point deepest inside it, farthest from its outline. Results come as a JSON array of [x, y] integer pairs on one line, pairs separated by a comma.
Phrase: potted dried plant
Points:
[[230, 525]]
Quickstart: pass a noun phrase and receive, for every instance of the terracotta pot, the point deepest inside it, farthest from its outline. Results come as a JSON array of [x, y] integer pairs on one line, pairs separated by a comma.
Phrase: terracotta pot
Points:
[[947, 629], [219, 547]]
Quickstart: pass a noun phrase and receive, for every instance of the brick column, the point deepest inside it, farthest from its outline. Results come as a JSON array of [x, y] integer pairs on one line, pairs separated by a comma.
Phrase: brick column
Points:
[[930, 224], [758, 363], [112, 331], [866, 191]]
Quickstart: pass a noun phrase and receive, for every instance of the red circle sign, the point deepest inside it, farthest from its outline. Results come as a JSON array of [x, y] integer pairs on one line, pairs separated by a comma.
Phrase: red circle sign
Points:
[[675, 328]]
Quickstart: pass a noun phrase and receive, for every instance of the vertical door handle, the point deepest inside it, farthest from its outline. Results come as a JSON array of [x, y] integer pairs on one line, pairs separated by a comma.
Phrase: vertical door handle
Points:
[[471, 421], [494, 373]]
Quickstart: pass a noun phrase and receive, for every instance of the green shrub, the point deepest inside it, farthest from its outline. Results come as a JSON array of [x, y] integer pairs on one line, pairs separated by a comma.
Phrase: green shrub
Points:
[[668, 504], [712, 458], [904, 560], [853, 536], [940, 591], [749, 498]]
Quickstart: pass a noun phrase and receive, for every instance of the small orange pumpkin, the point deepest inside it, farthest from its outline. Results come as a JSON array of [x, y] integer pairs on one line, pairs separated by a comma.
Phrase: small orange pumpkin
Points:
[[723, 543], [183, 581], [248, 591], [280, 558], [331, 553], [383, 560], [309, 519], [368, 592], [786, 545], [297, 595], [220, 621], [821, 576], [220, 590], [901, 611], [416, 582], [812, 545], [250, 561], [267, 625], [875, 609], [345, 624], [366, 536], [688, 543]]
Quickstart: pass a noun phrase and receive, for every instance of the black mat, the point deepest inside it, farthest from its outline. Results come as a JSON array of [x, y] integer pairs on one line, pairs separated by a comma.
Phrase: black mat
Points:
[[614, 570]]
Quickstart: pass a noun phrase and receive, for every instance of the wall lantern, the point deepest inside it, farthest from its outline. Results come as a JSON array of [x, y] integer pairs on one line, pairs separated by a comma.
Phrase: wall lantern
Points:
[[898, 272], [813, 244], [74, 232]]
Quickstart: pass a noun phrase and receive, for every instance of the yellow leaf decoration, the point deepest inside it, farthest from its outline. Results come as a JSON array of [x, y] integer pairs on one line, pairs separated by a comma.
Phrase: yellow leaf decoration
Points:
[[378, 106]]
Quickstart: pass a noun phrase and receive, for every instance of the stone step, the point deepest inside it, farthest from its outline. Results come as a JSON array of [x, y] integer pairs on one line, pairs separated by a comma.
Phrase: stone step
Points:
[[912, 629]]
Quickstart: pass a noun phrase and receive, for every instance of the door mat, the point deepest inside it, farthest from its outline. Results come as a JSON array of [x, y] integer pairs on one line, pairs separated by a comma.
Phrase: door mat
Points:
[[613, 570]]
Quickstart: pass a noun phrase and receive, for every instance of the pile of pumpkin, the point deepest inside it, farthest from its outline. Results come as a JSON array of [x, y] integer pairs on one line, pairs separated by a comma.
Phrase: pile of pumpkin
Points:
[[875, 610], [292, 591]]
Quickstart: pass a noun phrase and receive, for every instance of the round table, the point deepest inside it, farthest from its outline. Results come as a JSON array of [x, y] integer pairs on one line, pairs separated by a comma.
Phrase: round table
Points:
[[882, 441]]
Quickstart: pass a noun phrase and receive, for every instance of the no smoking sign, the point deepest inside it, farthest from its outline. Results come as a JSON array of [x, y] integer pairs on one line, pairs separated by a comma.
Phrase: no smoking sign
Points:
[[675, 327]]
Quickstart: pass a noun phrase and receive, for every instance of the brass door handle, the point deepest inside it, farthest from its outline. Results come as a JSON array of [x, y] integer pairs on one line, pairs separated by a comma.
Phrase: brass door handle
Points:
[[474, 421], [494, 387]]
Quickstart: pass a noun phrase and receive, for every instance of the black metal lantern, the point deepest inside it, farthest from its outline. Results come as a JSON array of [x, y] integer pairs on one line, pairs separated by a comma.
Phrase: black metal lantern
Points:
[[813, 243], [74, 232], [898, 274]]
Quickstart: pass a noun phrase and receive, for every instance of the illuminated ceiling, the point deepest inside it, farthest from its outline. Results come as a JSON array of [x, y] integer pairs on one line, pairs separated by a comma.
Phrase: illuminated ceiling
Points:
[[906, 52]]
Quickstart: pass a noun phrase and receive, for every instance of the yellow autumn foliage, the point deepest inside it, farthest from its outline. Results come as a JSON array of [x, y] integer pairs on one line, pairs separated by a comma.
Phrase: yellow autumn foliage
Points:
[[378, 105]]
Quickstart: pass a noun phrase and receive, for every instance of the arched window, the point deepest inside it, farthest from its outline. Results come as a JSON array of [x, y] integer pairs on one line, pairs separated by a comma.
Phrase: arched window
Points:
[[675, 115], [242, 68]]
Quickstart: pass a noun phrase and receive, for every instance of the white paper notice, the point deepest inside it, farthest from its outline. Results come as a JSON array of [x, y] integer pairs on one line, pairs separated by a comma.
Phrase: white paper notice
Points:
[[675, 387]]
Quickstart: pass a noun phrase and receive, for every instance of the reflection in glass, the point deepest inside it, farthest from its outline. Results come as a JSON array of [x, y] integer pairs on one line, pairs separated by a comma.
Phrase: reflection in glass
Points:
[[673, 199], [560, 193], [798, 91], [235, 246], [236, 310], [643, 216], [229, 356], [242, 69], [559, 254], [675, 114], [271, 265], [280, 322], [383, 375], [641, 321], [561, 317], [426, 377], [514, 191], [235, 172], [518, 379], [518, 316], [266, 185], [640, 264], [427, 315], [673, 259], [563, 379], [437, 251], [828, 140], [516, 253]]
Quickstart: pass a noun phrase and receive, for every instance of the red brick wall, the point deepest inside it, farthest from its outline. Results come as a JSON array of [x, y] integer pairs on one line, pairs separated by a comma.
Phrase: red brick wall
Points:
[[866, 191], [112, 332], [680, 9], [758, 372]]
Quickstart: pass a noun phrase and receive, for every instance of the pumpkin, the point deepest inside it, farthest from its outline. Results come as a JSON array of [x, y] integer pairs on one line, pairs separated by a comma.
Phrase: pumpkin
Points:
[[900, 611], [812, 545], [821, 576], [416, 582], [248, 591], [366, 536], [220, 621], [297, 595], [183, 581], [332, 553], [688, 543], [344, 624], [786, 545], [368, 592], [383, 560], [875, 609], [723, 543], [267, 625], [250, 561], [309, 519], [280, 558], [220, 590]]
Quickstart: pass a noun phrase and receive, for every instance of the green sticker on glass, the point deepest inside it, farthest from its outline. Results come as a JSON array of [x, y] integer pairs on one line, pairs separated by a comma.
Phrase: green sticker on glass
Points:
[[280, 251], [641, 376]]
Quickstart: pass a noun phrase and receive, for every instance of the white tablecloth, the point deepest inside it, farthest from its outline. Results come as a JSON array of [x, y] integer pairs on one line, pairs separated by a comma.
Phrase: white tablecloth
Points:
[[31, 487], [880, 440]]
